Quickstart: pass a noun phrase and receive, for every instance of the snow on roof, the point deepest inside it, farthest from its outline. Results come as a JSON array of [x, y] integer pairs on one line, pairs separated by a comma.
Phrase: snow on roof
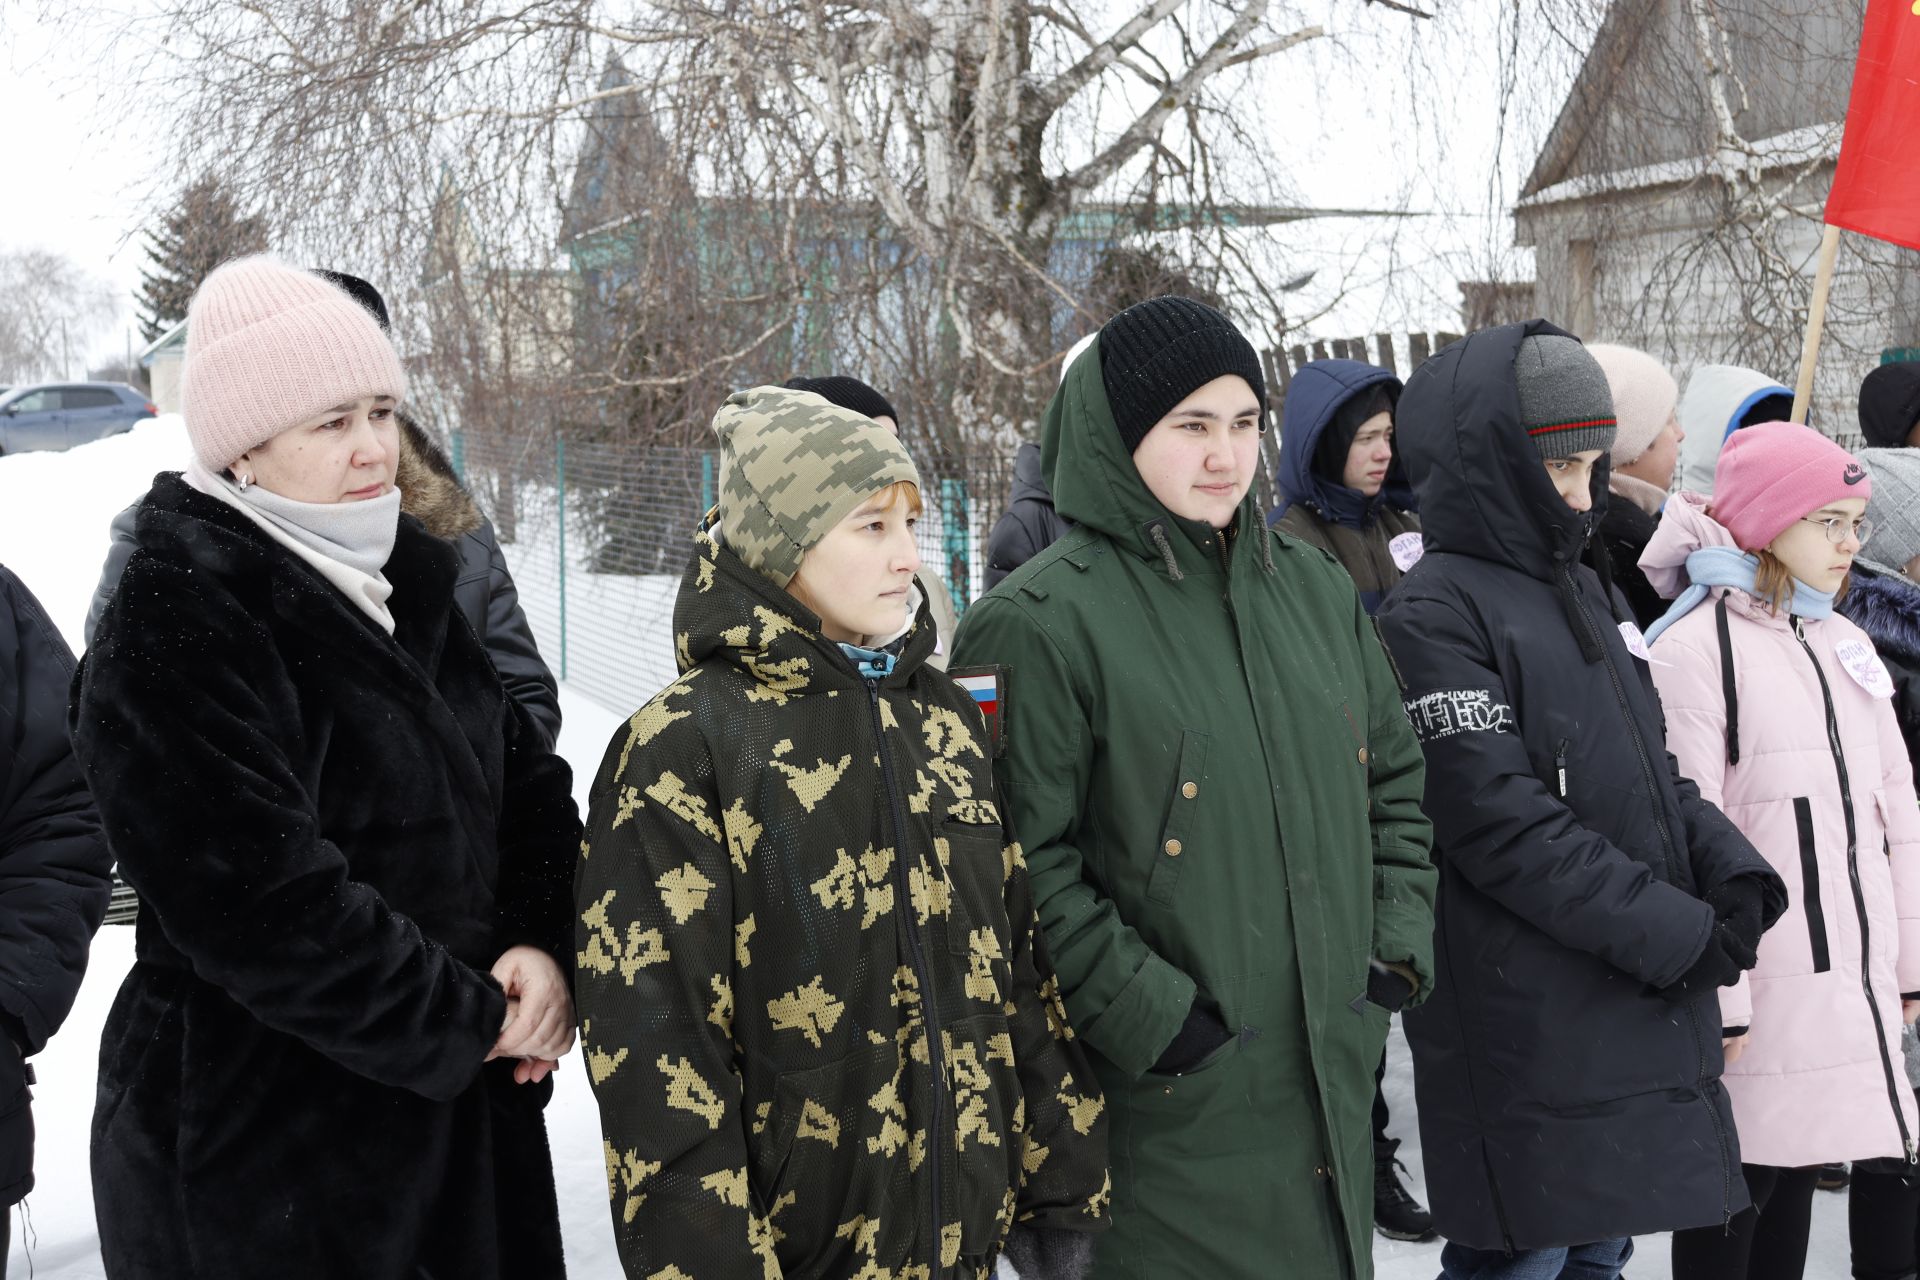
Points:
[[176, 333], [1808, 145]]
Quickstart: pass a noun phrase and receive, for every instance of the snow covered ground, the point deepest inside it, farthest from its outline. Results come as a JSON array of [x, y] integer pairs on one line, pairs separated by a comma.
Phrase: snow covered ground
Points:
[[54, 509]]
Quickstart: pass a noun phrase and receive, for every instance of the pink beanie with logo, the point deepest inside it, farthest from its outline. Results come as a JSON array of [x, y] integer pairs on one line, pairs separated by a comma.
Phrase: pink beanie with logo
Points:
[[1772, 474], [269, 346]]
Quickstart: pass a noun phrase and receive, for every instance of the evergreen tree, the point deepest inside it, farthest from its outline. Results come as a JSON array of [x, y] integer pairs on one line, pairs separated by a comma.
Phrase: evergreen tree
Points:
[[204, 228]]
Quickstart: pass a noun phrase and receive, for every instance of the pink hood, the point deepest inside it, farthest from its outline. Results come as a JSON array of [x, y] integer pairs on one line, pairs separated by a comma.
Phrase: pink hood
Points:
[[1684, 528]]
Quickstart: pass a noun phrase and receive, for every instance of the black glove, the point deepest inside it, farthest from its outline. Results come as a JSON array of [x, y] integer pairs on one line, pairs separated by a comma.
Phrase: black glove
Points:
[[1199, 1035], [1048, 1253], [1718, 966], [1737, 905], [1388, 989]]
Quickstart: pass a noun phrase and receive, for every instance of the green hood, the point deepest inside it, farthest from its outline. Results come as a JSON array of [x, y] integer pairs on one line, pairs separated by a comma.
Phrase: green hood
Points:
[[1096, 485]]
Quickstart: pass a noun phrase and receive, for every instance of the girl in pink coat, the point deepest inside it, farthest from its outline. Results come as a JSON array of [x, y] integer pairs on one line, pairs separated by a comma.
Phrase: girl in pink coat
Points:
[[1778, 708]]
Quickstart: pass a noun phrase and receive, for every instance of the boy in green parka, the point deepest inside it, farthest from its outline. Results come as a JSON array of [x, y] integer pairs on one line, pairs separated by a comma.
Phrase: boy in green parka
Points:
[[1208, 766], [818, 1017]]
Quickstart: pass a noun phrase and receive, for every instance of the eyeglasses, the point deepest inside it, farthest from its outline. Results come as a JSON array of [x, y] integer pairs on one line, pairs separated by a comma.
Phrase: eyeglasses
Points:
[[1839, 527]]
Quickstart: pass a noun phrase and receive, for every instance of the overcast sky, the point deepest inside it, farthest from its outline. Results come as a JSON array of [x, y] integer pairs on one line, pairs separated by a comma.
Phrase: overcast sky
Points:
[[1359, 120]]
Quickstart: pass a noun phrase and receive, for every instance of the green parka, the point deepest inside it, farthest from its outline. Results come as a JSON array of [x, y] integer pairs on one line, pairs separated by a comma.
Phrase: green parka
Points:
[[1209, 768], [814, 1002]]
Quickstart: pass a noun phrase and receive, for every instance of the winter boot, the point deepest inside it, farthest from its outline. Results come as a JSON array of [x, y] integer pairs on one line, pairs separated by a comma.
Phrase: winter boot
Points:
[[1396, 1214], [1834, 1177]]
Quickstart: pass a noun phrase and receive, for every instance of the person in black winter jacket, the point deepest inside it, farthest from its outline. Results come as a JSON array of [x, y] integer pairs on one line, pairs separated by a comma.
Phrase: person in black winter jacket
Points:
[[1029, 525], [53, 868], [1567, 1067], [431, 492], [1890, 405]]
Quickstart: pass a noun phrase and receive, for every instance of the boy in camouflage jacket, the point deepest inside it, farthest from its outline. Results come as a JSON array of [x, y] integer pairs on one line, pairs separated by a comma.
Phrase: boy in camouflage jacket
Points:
[[818, 1015]]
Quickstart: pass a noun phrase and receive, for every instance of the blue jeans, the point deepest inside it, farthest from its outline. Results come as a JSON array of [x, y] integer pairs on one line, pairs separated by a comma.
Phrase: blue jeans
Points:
[[1601, 1260]]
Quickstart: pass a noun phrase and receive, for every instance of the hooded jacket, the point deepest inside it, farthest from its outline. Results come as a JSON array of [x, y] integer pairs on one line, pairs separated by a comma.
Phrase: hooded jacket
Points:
[[334, 834], [1816, 774], [1890, 404], [1562, 1100], [1208, 766], [1717, 397], [54, 864], [1371, 537], [431, 492], [1029, 525], [815, 1004]]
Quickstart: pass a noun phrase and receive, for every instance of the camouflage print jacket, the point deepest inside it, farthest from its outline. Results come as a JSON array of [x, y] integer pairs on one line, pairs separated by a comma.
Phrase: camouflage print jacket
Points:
[[778, 924]]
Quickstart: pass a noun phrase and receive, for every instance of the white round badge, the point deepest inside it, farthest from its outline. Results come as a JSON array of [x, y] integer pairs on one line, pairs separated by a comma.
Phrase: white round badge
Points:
[[1864, 665], [1406, 551]]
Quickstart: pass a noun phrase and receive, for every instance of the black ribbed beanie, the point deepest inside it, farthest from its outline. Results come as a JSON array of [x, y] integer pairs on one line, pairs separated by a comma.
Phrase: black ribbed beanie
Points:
[[848, 393], [1156, 353]]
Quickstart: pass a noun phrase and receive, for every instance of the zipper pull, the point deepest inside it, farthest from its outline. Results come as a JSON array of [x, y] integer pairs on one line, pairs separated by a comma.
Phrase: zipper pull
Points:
[[1913, 1157], [1799, 632], [1560, 764]]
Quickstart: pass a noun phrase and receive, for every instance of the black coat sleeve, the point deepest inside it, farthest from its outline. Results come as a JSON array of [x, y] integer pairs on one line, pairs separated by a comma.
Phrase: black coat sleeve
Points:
[[539, 843], [119, 551], [188, 729], [1496, 823], [55, 871], [510, 644]]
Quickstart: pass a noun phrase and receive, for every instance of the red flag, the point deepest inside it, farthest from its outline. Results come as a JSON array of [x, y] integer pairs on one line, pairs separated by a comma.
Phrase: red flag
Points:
[[1876, 188]]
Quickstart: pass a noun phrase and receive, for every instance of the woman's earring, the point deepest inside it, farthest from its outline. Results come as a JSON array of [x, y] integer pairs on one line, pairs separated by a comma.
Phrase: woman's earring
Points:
[[243, 480]]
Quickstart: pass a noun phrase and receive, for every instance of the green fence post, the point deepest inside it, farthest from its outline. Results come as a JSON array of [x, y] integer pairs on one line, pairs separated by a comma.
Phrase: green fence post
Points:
[[956, 521], [560, 482], [706, 484], [458, 440]]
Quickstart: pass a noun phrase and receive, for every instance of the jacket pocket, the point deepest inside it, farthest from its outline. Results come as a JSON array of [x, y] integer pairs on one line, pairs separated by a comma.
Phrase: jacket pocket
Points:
[[977, 925], [1189, 780], [1810, 904]]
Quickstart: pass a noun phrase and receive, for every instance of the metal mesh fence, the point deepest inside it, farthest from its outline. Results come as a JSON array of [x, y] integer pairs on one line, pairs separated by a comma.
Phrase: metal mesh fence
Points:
[[597, 537]]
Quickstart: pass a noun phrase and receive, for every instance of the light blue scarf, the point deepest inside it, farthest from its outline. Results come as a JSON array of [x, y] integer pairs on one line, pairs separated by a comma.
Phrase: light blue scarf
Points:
[[1711, 567], [872, 664]]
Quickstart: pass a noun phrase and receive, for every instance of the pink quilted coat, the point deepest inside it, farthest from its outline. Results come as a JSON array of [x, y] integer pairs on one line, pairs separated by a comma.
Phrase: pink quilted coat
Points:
[[1824, 790]]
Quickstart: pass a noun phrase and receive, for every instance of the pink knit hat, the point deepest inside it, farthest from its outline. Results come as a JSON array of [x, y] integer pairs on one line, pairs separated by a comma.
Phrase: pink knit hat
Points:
[[1772, 474], [269, 345], [1644, 395]]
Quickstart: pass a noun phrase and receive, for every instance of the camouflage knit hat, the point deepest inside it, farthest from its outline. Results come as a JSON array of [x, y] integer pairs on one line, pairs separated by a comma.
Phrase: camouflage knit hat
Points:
[[792, 466]]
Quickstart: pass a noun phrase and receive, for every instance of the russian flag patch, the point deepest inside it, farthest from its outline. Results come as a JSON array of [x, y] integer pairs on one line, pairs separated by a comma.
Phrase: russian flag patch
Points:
[[987, 686]]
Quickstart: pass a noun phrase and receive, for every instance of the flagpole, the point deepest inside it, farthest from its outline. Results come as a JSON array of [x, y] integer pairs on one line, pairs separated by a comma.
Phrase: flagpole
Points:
[[1816, 321]]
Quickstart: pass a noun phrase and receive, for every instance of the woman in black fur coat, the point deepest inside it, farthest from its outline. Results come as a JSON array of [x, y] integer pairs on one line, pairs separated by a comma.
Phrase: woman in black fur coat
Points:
[[354, 854]]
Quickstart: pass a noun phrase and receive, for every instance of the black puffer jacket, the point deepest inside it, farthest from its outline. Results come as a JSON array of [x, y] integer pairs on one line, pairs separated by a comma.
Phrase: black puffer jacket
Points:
[[53, 863], [334, 833], [1562, 1100], [432, 494], [1029, 525]]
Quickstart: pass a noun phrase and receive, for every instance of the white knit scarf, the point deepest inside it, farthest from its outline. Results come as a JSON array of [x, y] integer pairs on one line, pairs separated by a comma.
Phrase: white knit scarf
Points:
[[347, 543]]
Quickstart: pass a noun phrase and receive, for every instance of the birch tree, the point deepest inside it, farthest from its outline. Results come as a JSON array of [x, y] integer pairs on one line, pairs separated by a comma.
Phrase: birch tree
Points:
[[957, 142]]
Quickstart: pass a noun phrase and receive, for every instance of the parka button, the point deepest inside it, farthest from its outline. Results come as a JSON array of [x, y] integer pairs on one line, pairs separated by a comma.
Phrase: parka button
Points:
[[1191, 790], [1173, 848], [1363, 755]]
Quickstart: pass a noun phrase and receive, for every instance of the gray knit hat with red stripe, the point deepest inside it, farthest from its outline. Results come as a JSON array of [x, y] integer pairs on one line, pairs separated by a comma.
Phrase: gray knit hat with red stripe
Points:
[[1565, 403]]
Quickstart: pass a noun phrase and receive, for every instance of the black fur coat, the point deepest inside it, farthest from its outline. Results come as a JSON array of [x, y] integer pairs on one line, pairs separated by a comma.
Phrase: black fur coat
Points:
[[334, 833]]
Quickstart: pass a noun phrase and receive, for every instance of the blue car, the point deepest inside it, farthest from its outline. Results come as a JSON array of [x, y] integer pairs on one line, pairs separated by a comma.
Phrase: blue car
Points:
[[59, 415]]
